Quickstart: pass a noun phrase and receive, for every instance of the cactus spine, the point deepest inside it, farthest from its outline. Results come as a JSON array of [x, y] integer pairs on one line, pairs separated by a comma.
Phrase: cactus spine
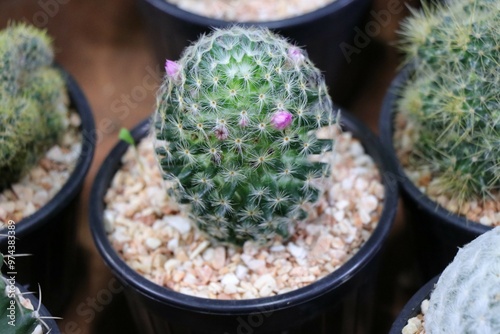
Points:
[[33, 100], [235, 125], [466, 298], [453, 97]]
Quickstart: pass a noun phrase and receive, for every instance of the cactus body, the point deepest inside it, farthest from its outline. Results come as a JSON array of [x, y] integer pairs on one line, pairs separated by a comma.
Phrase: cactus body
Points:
[[33, 100], [17, 314], [235, 124], [453, 99], [466, 298]]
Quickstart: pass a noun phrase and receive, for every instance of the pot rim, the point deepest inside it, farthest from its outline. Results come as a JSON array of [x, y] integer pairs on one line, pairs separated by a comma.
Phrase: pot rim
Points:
[[412, 307], [75, 181], [196, 19], [386, 126], [327, 284]]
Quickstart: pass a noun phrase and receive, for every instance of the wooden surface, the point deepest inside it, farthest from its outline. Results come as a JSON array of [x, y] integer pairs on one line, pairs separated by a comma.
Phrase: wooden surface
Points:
[[104, 45]]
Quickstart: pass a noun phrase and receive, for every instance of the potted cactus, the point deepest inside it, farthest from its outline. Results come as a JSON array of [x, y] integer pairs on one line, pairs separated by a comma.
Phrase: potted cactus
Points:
[[19, 315], [248, 178], [46, 147], [324, 29], [440, 125], [466, 297]]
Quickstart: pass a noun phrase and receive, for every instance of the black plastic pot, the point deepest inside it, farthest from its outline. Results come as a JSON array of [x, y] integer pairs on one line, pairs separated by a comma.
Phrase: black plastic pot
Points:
[[438, 232], [49, 234], [321, 32], [338, 303], [412, 308]]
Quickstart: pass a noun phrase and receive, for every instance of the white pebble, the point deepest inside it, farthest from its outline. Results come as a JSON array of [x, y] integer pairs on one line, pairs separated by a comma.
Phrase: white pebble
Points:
[[265, 284], [368, 203], [241, 271], [277, 248], [190, 279], [219, 259], [197, 251], [485, 221], [229, 279], [173, 244], [208, 254], [180, 223], [153, 243], [424, 306], [296, 251]]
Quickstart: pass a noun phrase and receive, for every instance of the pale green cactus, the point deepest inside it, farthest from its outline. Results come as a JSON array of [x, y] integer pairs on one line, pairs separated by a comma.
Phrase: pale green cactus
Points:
[[235, 124], [466, 298], [453, 97], [33, 100]]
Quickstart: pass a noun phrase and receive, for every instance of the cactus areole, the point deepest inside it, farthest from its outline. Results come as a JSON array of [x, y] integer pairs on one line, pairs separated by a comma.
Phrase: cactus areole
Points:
[[235, 126]]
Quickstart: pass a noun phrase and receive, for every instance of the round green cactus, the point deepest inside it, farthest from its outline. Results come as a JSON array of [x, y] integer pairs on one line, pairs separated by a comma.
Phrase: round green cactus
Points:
[[466, 298], [235, 125], [453, 98], [33, 100]]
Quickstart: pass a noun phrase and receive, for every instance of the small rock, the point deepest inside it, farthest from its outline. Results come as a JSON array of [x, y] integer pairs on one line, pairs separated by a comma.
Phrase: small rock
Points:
[[241, 271], [153, 243], [180, 223], [296, 251], [230, 279], [219, 259]]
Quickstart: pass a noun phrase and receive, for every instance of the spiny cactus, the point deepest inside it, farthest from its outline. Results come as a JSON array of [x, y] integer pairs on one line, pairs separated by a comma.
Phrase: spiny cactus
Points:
[[17, 314], [235, 124], [453, 98], [466, 298], [33, 100]]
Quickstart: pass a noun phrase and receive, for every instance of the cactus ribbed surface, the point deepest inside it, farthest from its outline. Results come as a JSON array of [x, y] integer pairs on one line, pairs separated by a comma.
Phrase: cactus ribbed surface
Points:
[[466, 298], [235, 125], [33, 100], [453, 98]]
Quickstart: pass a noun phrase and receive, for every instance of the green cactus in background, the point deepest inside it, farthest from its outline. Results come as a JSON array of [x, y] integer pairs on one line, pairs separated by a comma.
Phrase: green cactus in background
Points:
[[13, 309], [453, 97], [33, 100], [235, 125], [466, 298]]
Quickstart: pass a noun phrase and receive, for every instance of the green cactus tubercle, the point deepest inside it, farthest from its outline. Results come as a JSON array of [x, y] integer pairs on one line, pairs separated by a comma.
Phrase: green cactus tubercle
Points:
[[235, 126], [33, 100], [453, 97]]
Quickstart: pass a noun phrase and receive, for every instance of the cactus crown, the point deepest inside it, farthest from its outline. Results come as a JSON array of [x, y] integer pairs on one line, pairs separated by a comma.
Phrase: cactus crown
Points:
[[32, 100], [235, 124], [453, 97], [466, 298]]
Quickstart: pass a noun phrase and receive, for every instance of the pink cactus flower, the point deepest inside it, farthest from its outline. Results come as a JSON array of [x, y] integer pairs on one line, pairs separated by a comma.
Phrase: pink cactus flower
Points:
[[281, 119], [173, 70], [296, 55], [221, 132]]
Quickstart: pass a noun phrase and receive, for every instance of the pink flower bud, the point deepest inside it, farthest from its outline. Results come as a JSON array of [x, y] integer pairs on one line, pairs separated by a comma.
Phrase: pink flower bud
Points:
[[221, 132], [173, 70], [281, 119], [243, 119], [296, 55]]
